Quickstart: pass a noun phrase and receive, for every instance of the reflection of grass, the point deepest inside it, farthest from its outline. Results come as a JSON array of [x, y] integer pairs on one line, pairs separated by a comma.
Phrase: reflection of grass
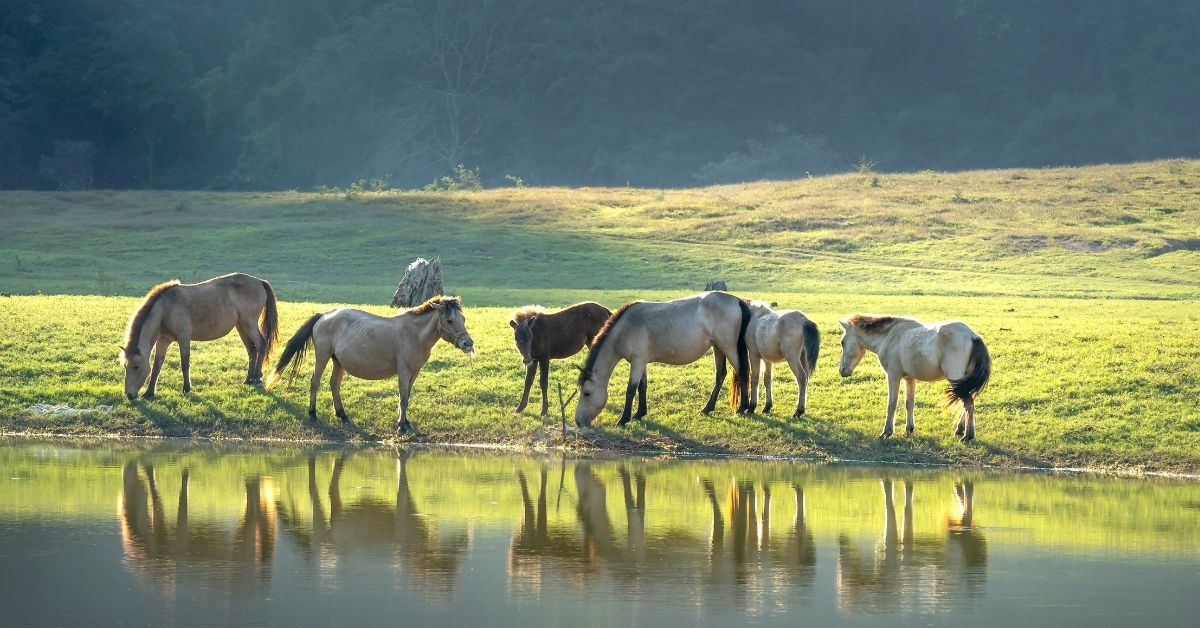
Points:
[[1103, 383], [480, 489]]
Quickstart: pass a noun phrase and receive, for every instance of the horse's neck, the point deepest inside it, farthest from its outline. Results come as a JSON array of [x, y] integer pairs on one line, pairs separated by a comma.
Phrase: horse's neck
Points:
[[426, 326], [151, 328], [606, 361]]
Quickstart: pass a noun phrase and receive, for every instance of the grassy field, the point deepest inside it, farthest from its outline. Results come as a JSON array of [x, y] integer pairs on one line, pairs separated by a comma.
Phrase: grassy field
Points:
[[1085, 283]]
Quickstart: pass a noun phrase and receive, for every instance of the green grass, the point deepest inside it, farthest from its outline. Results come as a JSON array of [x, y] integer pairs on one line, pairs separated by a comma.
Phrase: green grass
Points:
[[1084, 282]]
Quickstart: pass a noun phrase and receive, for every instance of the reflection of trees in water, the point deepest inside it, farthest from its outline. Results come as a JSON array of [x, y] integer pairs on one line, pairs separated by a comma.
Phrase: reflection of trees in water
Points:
[[430, 556], [161, 550], [910, 572]]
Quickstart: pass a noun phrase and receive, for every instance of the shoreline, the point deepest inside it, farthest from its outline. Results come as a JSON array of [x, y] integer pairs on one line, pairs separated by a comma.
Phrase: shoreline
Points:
[[594, 452]]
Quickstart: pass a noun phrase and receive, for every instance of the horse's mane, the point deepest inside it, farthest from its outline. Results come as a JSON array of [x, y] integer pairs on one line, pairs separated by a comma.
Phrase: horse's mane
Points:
[[873, 323], [527, 311], [601, 336], [134, 331], [453, 303]]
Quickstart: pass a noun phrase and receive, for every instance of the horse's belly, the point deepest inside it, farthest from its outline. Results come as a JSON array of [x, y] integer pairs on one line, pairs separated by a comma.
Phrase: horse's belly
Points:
[[368, 370]]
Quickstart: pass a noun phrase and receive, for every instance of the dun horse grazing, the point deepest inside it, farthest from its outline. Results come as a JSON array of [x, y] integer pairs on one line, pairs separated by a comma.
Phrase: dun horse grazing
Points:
[[668, 332], [775, 337], [374, 347], [175, 312], [542, 337], [909, 350]]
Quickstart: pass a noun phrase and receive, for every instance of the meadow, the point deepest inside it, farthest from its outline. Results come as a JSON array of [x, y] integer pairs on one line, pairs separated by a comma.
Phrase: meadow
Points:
[[1083, 281]]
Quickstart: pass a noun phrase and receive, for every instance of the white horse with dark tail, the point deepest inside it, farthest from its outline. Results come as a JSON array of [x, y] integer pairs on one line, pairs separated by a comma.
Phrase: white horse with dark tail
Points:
[[778, 336], [910, 350]]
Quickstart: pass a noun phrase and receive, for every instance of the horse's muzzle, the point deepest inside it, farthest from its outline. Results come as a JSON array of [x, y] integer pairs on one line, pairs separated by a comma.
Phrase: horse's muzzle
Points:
[[132, 396]]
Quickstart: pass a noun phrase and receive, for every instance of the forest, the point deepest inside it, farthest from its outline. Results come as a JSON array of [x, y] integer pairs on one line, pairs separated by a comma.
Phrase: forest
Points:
[[297, 94]]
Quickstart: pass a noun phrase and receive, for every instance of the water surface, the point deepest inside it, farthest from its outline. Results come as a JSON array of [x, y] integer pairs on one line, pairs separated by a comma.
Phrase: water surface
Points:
[[199, 534]]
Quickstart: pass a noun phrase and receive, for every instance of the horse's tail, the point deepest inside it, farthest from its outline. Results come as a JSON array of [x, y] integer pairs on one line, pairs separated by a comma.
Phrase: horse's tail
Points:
[[812, 345], [979, 370], [268, 324], [293, 351], [740, 384]]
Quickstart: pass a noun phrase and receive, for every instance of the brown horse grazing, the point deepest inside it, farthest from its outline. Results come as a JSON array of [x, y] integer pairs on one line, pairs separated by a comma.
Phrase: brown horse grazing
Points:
[[374, 347], [542, 337], [175, 312], [667, 332]]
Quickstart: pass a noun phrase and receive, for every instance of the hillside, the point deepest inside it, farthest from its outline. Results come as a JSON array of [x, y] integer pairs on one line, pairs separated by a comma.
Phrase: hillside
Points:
[[1083, 281]]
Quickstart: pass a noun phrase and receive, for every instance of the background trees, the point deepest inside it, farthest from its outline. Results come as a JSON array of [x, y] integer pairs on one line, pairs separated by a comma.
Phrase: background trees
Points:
[[298, 93]]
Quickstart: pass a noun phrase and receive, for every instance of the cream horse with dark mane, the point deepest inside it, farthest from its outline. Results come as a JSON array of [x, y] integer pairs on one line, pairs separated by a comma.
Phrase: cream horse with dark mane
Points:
[[776, 336], [176, 312], [374, 347], [910, 350], [668, 332]]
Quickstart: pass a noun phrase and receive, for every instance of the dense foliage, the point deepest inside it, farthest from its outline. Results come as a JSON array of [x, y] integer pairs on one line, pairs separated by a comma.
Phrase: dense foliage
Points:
[[267, 94]]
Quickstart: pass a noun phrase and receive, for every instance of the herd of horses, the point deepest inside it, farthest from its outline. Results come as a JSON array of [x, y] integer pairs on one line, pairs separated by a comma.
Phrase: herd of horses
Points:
[[749, 335]]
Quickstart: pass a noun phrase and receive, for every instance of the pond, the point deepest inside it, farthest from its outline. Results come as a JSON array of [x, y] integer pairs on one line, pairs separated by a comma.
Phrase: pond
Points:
[[179, 532]]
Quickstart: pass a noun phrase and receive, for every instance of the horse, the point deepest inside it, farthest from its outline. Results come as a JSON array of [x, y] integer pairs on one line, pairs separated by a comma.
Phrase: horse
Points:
[[667, 332], [909, 350], [374, 347], [542, 337], [177, 312], [775, 336]]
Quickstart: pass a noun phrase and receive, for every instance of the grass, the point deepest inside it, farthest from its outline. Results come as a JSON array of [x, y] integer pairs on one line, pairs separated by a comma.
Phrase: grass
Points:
[[1084, 282]]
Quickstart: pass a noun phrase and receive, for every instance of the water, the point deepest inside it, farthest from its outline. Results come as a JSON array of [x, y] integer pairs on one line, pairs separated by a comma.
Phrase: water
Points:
[[177, 533]]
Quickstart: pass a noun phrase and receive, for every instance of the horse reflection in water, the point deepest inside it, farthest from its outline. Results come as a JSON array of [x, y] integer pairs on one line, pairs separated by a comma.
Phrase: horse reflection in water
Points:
[[537, 547], [737, 548], [746, 557], [432, 557], [915, 573], [161, 551]]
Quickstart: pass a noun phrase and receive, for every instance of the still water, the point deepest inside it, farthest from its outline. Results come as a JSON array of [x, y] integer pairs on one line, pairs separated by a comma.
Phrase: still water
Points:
[[175, 533]]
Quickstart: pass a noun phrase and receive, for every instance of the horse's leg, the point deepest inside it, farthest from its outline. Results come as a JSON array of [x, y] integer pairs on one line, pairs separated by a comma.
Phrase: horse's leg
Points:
[[403, 426], [641, 411], [910, 403], [314, 384], [250, 341], [969, 409], [755, 377], [530, 372], [160, 356], [335, 387], [636, 371], [801, 386], [185, 362], [889, 424], [712, 399], [544, 382], [769, 386], [961, 427]]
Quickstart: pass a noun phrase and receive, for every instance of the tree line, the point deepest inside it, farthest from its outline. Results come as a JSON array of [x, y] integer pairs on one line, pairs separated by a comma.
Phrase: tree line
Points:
[[279, 94]]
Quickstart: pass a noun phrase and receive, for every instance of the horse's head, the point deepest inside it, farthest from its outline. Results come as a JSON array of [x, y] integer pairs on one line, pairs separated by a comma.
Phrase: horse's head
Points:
[[523, 330], [852, 348], [452, 324], [137, 370], [592, 397]]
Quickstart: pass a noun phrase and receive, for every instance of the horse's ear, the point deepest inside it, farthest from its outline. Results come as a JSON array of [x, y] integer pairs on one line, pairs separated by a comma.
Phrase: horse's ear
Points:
[[845, 325], [512, 323]]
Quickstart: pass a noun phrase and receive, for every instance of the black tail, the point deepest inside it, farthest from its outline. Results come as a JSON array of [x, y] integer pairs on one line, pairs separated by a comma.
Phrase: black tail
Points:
[[268, 324], [812, 344], [739, 386], [294, 350], [979, 370]]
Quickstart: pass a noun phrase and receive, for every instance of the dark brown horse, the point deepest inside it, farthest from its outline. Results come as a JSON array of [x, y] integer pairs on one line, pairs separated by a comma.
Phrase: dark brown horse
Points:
[[542, 337]]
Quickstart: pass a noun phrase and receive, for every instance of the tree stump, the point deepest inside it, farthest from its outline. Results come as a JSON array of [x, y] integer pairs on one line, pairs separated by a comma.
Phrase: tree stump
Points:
[[716, 285], [422, 281]]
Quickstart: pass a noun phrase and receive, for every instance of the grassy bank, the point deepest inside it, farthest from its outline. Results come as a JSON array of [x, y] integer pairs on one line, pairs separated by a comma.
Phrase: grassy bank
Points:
[[1083, 281]]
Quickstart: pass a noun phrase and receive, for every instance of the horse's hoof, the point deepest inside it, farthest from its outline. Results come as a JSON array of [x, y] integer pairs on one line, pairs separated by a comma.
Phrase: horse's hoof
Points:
[[966, 438], [908, 431], [312, 416], [545, 413], [520, 408], [147, 395], [767, 408], [623, 422], [706, 411], [345, 418], [797, 415], [639, 416], [187, 389], [885, 434], [405, 429]]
